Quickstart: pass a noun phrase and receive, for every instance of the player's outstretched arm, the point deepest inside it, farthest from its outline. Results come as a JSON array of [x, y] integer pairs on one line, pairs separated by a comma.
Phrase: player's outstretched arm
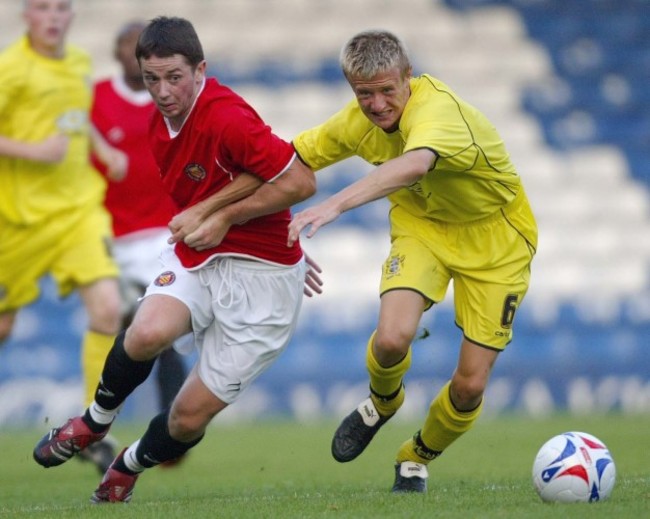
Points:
[[392, 175]]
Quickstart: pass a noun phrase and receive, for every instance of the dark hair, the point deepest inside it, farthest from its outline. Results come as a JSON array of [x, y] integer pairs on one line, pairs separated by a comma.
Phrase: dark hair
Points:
[[166, 36], [128, 28]]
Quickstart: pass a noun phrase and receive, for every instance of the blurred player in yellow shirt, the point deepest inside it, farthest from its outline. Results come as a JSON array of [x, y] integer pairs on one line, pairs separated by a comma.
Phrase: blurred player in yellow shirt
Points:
[[458, 213], [52, 219]]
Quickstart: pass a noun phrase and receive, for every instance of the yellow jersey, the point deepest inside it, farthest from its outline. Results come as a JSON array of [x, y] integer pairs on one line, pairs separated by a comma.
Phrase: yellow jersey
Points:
[[39, 98], [472, 177]]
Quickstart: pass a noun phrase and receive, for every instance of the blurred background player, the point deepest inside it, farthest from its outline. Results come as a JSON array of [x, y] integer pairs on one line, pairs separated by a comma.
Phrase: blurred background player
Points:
[[140, 207], [52, 220]]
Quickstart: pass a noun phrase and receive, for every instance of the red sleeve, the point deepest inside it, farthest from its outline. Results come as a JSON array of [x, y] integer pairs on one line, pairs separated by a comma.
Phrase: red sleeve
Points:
[[249, 145]]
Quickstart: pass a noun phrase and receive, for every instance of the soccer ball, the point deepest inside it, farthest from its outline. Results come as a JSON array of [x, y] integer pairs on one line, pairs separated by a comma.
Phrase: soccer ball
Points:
[[574, 467]]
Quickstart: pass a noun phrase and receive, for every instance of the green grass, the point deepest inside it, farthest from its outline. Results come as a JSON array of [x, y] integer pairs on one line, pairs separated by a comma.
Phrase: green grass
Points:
[[284, 470]]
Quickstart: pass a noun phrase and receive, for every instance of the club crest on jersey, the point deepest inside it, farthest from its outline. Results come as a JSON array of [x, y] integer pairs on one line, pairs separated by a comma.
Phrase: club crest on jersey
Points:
[[115, 134], [195, 172], [165, 279], [393, 266]]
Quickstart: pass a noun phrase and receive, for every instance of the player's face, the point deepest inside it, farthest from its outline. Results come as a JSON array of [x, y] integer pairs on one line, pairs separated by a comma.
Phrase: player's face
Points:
[[47, 25], [173, 85], [383, 97]]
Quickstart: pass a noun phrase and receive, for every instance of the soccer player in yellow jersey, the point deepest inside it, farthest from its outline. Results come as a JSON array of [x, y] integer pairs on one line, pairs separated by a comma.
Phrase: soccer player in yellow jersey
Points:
[[458, 213], [51, 200]]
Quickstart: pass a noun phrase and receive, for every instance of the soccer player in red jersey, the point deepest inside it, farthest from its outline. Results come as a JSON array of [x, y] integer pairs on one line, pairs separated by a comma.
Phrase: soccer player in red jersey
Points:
[[230, 278], [139, 205]]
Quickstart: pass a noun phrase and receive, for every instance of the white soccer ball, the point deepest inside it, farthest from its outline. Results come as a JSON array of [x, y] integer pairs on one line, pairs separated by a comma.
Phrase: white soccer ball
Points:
[[574, 467]]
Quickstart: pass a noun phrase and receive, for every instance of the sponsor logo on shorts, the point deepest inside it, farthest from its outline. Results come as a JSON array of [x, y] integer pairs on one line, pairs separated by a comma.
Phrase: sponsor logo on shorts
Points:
[[3, 291], [234, 386], [393, 266], [165, 279], [195, 172]]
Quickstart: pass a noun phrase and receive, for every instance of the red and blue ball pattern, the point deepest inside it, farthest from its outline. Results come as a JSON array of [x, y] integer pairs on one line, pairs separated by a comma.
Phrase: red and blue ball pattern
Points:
[[574, 466]]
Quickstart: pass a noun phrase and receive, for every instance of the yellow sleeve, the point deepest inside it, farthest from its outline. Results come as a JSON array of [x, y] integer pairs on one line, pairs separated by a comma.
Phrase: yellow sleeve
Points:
[[338, 138]]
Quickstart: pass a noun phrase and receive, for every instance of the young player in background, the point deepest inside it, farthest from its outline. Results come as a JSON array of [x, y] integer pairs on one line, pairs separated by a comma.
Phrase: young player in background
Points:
[[458, 212], [52, 219]]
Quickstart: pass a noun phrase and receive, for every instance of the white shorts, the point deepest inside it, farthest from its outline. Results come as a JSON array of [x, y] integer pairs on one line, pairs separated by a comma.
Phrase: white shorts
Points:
[[244, 314], [138, 257]]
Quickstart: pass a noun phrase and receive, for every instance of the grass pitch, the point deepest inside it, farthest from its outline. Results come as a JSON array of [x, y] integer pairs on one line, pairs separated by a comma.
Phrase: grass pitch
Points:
[[284, 470]]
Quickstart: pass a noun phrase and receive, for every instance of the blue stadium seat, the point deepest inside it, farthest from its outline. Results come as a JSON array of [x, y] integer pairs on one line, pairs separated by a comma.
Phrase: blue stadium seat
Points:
[[601, 51]]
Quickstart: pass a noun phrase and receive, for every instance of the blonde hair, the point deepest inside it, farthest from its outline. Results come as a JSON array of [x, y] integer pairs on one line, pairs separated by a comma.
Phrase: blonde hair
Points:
[[371, 52]]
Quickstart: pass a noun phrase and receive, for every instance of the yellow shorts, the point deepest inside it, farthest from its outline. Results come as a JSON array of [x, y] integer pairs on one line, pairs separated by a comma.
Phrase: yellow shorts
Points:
[[488, 260], [73, 247]]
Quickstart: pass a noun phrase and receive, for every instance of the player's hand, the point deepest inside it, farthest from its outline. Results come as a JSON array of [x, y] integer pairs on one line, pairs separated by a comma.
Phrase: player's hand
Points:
[[209, 234], [184, 223], [315, 217], [117, 164], [313, 282], [51, 150]]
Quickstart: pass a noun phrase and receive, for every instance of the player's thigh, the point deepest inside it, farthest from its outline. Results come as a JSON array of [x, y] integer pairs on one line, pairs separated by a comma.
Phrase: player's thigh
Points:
[[102, 301], [158, 322], [84, 255], [400, 312], [27, 253], [256, 313], [186, 287], [491, 283], [413, 265]]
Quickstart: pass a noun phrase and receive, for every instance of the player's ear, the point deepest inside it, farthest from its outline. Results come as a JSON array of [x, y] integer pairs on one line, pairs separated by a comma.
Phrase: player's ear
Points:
[[199, 71]]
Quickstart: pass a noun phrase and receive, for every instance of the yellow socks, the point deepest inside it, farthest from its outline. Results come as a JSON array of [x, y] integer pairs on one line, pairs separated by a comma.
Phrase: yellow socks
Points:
[[443, 425], [386, 389], [94, 350]]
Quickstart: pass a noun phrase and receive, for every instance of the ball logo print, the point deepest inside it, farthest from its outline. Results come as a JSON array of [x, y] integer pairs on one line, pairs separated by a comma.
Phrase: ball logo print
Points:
[[574, 467]]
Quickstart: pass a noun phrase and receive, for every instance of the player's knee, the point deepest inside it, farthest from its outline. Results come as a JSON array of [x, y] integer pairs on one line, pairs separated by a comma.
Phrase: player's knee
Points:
[[392, 343], [145, 340], [105, 318], [466, 392], [185, 423]]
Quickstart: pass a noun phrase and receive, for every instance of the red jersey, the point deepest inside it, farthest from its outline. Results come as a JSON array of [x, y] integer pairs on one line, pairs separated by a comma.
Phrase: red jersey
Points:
[[122, 116], [221, 138]]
